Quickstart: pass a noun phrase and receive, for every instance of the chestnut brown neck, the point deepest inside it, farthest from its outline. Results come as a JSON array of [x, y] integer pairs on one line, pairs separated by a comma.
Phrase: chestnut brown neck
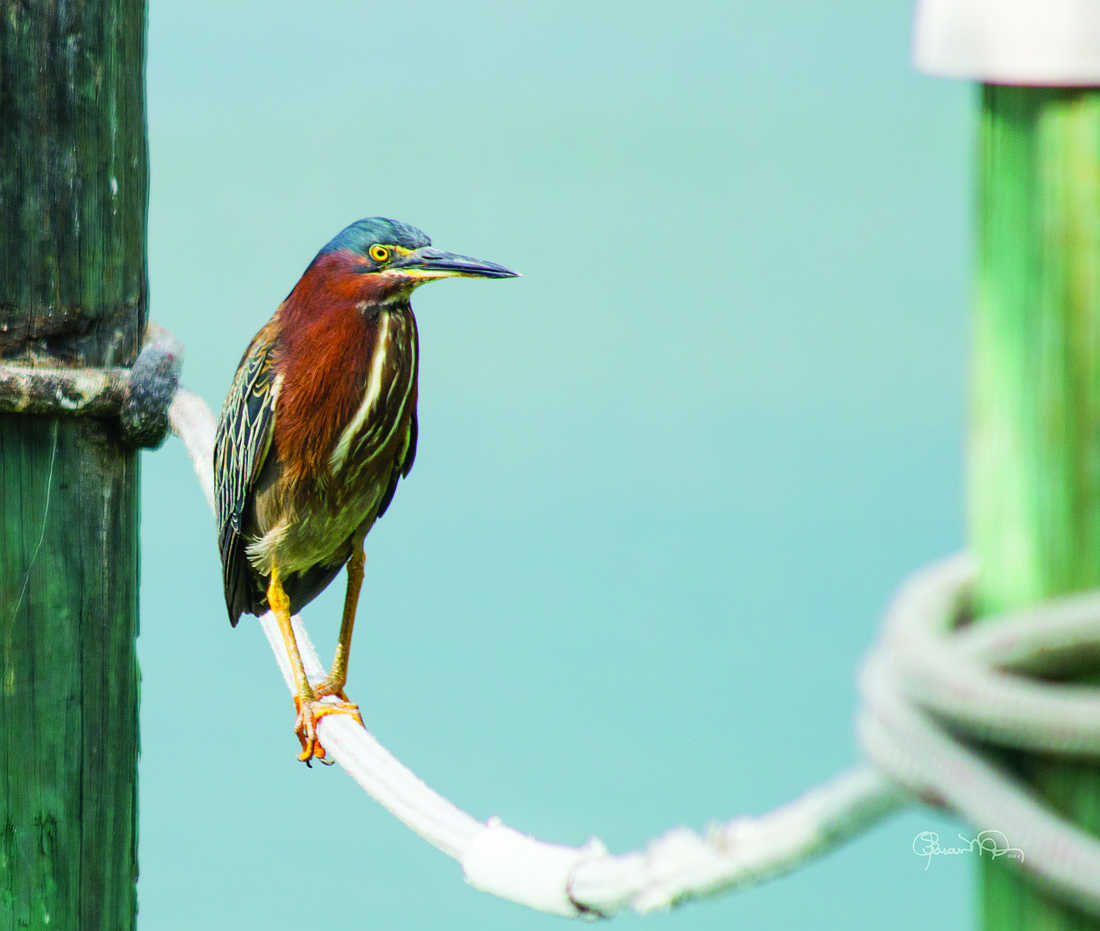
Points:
[[328, 335]]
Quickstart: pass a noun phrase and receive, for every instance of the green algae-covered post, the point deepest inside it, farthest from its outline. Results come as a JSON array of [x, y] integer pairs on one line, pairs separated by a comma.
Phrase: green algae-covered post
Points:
[[1034, 457], [1035, 442], [73, 193]]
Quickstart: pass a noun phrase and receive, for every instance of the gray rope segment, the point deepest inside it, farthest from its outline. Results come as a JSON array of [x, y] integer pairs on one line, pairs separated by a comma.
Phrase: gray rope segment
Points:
[[930, 693], [138, 396]]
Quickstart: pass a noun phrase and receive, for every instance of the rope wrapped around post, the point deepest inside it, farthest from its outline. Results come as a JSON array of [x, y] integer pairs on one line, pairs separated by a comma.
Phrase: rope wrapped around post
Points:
[[138, 396]]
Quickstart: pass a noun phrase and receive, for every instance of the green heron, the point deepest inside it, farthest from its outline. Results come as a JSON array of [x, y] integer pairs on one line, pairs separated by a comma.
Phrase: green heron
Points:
[[318, 427]]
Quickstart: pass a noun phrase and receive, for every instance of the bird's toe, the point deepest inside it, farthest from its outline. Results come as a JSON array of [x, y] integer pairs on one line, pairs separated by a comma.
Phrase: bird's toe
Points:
[[310, 713]]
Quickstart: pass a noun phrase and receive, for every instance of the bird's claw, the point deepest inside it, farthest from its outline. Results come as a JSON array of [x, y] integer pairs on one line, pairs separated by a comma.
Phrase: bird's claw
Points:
[[305, 725], [329, 686]]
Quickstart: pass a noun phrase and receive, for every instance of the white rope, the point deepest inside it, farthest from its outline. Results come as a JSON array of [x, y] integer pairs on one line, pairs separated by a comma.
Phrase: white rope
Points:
[[193, 423], [927, 691]]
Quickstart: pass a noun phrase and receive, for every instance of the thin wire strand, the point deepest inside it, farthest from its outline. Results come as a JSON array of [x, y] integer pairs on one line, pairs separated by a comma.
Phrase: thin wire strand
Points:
[[42, 532]]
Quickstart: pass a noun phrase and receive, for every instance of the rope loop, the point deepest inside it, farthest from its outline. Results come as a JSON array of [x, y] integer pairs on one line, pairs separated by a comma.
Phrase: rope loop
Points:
[[940, 696]]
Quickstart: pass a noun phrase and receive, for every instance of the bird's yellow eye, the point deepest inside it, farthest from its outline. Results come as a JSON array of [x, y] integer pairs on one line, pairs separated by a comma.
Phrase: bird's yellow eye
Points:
[[379, 253]]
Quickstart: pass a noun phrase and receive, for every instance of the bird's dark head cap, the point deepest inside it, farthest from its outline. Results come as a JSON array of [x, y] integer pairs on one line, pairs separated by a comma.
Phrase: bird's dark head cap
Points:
[[362, 234], [400, 256]]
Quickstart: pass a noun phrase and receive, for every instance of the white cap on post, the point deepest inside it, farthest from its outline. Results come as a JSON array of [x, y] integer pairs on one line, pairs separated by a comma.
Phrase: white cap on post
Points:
[[1031, 42]]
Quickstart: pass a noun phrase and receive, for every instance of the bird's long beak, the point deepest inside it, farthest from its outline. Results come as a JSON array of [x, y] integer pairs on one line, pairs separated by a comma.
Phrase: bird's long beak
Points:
[[428, 263]]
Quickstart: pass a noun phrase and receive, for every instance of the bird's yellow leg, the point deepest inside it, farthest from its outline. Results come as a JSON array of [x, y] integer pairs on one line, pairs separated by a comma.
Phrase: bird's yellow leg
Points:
[[334, 683], [306, 701]]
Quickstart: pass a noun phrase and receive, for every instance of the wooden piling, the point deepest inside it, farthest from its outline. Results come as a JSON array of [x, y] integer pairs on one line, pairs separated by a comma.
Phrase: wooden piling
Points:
[[73, 199]]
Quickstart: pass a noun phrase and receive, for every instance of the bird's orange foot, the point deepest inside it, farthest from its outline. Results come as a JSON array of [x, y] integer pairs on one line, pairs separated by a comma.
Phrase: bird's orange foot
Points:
[[305, 726]]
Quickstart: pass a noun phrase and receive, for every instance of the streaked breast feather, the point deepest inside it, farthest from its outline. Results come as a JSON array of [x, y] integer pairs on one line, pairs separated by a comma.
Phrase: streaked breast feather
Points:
[[374, 388], [392, 345]]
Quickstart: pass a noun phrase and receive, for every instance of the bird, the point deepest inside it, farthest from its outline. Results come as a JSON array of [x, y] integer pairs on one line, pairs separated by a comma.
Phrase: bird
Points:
[[317, 429]]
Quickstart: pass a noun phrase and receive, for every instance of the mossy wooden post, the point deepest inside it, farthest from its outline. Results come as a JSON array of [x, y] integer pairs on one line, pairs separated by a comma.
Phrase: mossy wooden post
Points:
[[1035, 448], [73, 192]]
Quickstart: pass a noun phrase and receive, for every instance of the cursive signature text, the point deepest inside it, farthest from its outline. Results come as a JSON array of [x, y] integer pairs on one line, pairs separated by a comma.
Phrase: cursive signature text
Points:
[[927, 844]]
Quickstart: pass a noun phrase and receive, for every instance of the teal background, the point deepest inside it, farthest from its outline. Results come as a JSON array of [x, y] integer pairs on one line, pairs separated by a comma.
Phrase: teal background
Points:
[[666, 482]]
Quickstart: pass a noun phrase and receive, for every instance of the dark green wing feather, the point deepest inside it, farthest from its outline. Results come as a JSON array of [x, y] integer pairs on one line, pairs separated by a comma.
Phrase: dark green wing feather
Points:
[[402, 463], [243, 439]]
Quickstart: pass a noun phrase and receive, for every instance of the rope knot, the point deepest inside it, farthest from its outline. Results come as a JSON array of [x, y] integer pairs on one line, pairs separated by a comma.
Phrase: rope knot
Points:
[[138, 397]]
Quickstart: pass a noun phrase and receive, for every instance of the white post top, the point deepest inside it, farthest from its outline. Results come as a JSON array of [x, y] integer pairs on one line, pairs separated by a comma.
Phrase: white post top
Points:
[[1009, 41]]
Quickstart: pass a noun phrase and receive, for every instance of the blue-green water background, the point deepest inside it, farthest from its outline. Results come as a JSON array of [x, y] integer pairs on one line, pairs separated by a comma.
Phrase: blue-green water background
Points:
[[666, 481]]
